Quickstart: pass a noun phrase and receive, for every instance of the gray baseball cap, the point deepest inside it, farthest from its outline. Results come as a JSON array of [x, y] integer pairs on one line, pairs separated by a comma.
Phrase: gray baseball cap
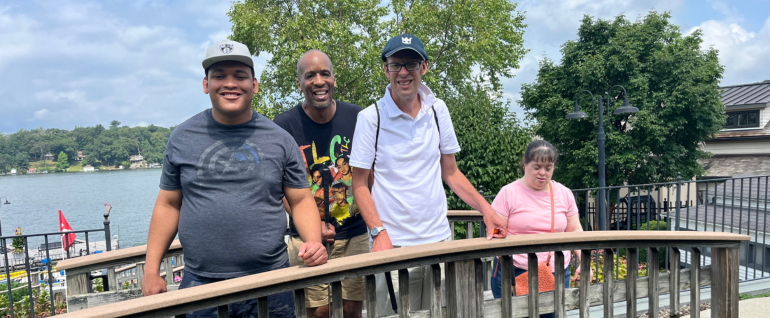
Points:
[[228, 51]]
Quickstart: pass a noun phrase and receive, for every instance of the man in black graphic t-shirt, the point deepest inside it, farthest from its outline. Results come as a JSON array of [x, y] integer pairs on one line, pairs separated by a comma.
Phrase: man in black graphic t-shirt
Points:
[[323, 129]]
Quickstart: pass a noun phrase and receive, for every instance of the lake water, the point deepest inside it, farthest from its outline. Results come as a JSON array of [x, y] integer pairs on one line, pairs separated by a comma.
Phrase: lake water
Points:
[[36, 199]]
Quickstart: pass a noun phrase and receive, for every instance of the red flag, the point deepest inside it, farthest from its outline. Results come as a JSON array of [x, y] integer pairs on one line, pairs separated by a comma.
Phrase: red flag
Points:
[[64, 226]]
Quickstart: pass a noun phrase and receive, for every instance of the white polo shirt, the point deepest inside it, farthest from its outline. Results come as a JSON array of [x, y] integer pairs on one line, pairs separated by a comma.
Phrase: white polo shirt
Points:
[[408, 191]]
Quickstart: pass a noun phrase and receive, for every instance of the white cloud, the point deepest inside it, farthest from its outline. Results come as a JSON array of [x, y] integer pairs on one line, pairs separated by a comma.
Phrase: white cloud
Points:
[[40, 114], [89, 62], [743, 53]]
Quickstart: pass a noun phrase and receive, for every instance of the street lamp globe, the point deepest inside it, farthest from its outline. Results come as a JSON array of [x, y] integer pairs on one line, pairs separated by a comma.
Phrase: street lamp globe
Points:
[[626, 108]]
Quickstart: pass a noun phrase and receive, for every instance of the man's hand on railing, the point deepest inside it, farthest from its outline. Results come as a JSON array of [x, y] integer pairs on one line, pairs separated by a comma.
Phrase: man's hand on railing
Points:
[[497, 226], [153, 284], [327, 235], [313, 253], [381, 242]]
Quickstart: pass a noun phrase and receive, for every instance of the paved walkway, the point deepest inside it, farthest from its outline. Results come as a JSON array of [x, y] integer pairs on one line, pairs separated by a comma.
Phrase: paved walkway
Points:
[[750, 287], [757, 307]]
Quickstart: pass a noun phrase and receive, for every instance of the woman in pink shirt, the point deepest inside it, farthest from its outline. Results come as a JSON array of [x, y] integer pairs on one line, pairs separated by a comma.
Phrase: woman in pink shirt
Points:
[[526, 204]]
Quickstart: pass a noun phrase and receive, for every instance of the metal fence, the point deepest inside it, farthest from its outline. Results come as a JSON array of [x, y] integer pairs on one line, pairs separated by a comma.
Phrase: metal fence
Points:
[[35, 267], [735, 205]]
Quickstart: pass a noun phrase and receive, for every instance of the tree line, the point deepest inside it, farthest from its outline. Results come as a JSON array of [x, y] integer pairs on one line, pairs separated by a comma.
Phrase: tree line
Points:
[[106, 147]]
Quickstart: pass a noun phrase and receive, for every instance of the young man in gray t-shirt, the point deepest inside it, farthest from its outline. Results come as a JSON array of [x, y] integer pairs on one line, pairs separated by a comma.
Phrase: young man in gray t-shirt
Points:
[[225, 173]]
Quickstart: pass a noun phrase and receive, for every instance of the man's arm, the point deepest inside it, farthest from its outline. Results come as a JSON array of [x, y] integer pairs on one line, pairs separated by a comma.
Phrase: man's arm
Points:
[[327, 232], [363, 197], [304, 213], [163, 229], [496, 226]]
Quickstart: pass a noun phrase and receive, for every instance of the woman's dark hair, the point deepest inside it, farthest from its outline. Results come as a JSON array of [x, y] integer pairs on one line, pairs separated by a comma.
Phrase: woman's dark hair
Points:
[[540, 151]]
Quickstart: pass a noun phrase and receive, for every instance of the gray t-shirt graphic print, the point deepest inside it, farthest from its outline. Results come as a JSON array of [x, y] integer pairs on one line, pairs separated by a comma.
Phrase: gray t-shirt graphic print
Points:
[[232, 220]]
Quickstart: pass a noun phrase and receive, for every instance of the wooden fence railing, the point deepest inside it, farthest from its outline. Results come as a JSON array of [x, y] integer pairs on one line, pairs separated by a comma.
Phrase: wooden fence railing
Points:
[[464, 277]]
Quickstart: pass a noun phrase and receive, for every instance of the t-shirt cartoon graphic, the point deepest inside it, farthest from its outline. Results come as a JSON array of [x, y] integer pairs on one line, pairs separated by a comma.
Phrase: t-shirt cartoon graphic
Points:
[[328, 145]]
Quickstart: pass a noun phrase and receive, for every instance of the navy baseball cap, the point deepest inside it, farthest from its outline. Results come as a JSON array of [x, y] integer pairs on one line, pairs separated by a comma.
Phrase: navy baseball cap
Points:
[[404, 42]]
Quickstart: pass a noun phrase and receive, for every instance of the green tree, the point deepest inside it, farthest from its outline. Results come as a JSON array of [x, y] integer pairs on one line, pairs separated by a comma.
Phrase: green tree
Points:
[[62, 162], [114, 124], [668, 77], [90, 160], [471, 45], [22, 161]]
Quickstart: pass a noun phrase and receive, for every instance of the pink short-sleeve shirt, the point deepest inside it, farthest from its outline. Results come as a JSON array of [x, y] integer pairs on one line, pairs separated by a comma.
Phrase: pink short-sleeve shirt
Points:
[[529, 212]]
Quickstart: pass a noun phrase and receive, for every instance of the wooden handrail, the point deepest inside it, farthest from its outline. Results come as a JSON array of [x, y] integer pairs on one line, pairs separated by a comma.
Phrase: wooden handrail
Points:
[[85, 264], [297, 277]]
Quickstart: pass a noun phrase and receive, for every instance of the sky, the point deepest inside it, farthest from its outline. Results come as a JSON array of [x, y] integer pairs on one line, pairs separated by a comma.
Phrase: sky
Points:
[[80, 63]]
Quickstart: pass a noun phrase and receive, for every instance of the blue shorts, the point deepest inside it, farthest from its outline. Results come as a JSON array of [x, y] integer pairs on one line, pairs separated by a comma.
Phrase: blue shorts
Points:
[[496, 281], [279, 305]]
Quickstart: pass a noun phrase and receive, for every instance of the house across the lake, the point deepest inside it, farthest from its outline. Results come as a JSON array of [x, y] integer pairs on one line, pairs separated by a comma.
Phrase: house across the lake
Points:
[[48, 156], [88, 168], [80, 156]]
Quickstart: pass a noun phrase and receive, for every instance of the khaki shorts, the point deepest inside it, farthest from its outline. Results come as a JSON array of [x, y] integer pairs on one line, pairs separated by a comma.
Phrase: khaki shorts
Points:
[[352, 289]]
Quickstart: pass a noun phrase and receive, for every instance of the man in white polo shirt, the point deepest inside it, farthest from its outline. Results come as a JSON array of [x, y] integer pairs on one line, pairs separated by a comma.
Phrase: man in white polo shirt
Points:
[[409, 142]]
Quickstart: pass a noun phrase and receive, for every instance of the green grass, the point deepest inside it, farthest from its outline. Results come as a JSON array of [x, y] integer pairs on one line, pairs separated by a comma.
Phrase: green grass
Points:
[[747, 296], [75, 166]]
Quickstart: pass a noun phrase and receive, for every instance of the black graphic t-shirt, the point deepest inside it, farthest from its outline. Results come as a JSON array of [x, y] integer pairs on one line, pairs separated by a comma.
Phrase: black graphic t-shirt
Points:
[[328, 145], [232, 221]]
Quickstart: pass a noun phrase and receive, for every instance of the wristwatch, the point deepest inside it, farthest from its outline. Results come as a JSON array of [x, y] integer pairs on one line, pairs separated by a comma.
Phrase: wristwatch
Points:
[[376, 231]]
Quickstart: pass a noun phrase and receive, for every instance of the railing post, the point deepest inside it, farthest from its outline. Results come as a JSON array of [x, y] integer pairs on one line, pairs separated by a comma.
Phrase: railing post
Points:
[[435, 308], [631, 274], [609, 280], [724, 282], [652, 283], [482, 226], [262, 309], [139, 273], [558, 293], [674, 281], [371, 298], [478, 269], [695, 283], [461, 289], [585, 282], [336, 299], [169, 270], [506, 267], [678, 198], [111, 280], [534, 288], [78, 284], [403, 292], [107, 235], [301, 310]]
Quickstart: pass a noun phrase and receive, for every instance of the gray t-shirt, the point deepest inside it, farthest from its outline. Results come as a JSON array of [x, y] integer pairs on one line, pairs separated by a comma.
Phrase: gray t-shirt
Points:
[[232, 220]]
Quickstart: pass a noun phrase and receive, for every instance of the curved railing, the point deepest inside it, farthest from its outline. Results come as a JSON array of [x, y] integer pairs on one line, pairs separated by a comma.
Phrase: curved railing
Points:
[[464, 277]]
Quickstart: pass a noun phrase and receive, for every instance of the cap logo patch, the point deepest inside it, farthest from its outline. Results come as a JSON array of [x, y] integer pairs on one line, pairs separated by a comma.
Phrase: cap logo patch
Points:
[[226, 48], [406, 40]]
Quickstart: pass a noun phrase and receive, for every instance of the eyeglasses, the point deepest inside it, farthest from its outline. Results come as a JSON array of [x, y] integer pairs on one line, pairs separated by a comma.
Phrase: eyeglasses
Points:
[[410, 66]]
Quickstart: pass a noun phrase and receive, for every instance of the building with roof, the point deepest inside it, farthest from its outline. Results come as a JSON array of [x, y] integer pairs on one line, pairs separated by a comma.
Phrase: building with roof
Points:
[[743, 146]]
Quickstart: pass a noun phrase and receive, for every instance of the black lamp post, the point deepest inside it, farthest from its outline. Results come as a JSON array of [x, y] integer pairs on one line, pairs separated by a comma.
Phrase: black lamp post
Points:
[[577, 114], [1, 226]]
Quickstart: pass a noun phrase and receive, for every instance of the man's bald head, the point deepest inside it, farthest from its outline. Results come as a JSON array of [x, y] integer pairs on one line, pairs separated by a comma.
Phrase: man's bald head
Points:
[[315, 79], [312, 55]]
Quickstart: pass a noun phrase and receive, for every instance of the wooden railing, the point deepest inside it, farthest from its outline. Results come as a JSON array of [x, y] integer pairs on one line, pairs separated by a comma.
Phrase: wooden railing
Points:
[[463, 275]]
